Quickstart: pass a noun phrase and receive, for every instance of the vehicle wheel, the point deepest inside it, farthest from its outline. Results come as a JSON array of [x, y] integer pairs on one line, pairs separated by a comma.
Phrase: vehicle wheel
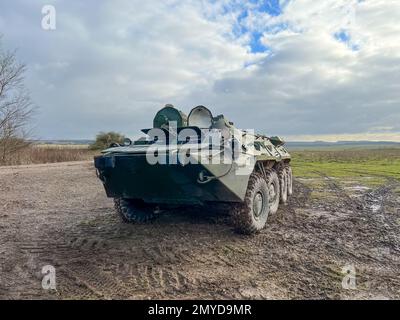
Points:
[[290, 180], [251, 215], [132, 211], [283, 181], [274, 191]]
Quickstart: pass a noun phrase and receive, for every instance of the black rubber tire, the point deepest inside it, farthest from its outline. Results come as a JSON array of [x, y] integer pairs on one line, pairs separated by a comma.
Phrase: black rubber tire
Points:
[[290, 180], [283, 181], [132, 211], [244, 217], [273, 182]]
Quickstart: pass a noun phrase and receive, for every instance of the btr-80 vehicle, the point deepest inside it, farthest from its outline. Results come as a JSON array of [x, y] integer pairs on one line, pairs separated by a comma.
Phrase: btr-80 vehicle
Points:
[[197, 160]]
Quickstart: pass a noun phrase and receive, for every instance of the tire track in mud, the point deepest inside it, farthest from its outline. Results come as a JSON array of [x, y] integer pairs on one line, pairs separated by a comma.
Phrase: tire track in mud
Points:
[[377, 231], [361, 210], [91, 282], [122, 279], [127, 281], [341, 194], [157, 268], [95, 277], [183, 255], [384, 222]]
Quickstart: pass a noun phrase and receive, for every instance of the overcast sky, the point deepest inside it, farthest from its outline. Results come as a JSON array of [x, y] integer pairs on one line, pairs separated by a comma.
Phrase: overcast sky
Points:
[[301, 69]]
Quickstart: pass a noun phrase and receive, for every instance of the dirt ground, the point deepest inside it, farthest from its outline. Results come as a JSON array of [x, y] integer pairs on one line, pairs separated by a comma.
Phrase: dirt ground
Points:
[[58, 215]]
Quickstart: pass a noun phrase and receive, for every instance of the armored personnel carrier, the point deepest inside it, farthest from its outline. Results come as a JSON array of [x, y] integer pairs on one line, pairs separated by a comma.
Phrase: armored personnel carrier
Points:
[[197, 160]]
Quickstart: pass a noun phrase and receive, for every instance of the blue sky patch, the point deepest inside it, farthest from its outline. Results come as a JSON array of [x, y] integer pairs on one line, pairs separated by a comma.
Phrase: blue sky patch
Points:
[[255, 43], [240, 28], [344, 37], [272, 7]]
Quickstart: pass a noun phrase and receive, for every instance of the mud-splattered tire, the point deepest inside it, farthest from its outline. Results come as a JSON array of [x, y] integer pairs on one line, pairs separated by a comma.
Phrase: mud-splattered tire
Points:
[[274, 191], [133, 212], [251, 216], [283, 182], [289, 180]]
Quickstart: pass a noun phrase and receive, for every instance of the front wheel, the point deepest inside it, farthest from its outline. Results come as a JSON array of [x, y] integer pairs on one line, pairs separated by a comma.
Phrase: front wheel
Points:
[[251, 215], [134, 211]]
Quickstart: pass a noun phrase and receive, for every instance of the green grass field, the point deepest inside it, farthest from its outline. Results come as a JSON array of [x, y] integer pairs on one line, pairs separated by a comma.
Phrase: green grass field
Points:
[[375, 165]]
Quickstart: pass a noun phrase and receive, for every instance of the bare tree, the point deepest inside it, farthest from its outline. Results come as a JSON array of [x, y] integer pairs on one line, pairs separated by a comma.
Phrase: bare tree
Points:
[[16, 108]]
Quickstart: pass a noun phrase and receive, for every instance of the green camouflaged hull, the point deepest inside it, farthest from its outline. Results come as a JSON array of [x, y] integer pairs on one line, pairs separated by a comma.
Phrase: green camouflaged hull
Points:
[[126, 171]]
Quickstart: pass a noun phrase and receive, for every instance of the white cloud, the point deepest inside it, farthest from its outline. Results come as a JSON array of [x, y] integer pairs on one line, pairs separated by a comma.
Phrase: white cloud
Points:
[[316, 84]]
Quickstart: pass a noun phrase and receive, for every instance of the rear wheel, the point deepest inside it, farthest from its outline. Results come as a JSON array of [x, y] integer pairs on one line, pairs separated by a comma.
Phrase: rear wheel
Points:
[[290, 180], [134, 211], [251, 215], [274, 190], [283, 181]]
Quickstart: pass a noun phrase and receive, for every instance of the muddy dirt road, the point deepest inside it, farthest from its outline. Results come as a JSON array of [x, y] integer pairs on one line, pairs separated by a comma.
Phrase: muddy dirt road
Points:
[[58, 215]]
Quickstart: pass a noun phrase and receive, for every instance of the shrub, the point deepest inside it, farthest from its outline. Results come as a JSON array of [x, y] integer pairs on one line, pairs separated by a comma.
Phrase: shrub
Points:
[[104, 139]]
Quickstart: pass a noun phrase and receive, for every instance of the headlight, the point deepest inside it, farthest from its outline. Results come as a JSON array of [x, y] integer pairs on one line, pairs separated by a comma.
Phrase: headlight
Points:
[[127, 142]]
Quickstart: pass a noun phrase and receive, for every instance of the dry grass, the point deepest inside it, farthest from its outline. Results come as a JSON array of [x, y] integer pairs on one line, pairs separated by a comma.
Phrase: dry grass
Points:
[[37, 154]]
